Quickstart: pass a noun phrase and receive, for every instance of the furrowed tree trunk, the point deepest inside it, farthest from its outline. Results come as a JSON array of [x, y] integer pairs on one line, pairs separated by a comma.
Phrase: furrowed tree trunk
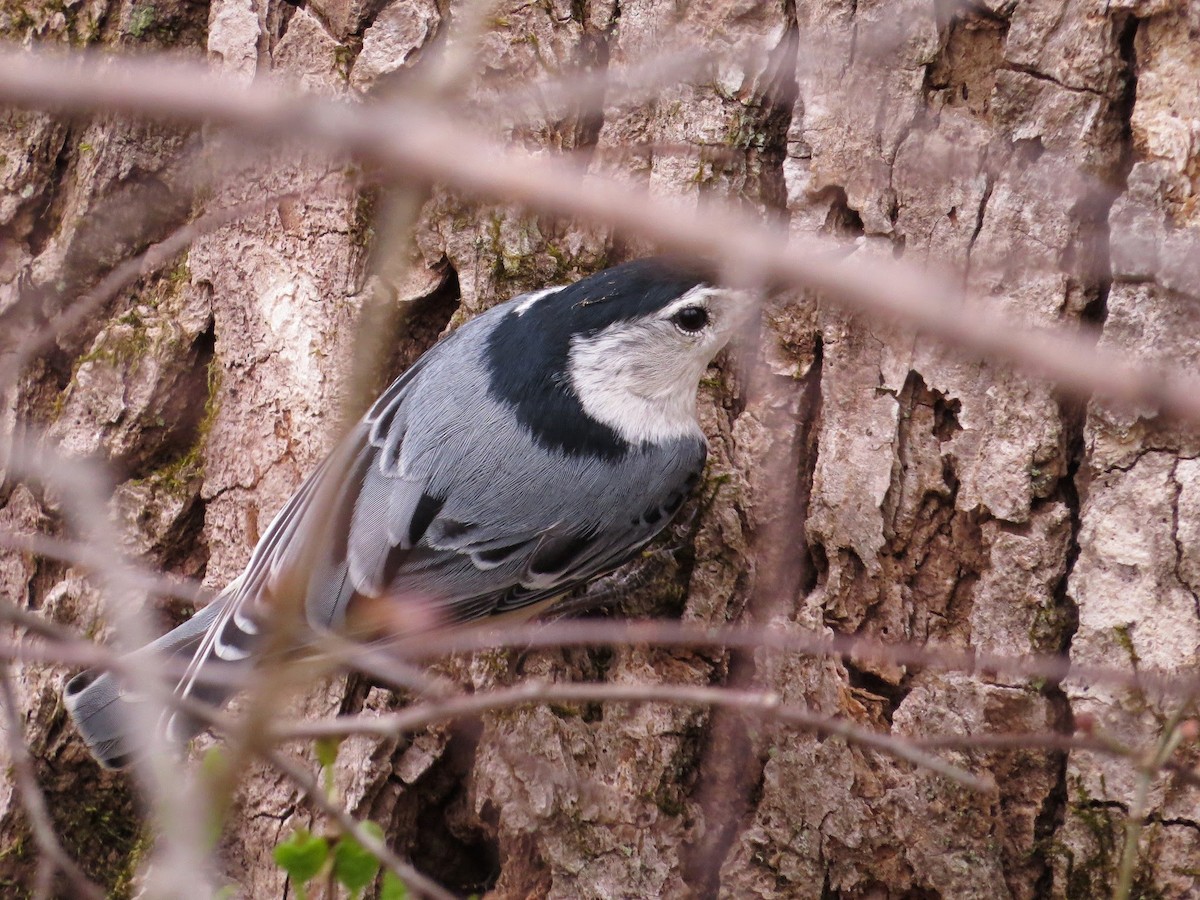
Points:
[[862, 481]]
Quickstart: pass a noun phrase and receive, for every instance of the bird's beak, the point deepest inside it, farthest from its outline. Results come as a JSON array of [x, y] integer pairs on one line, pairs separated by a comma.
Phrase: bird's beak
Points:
[[738, 308]]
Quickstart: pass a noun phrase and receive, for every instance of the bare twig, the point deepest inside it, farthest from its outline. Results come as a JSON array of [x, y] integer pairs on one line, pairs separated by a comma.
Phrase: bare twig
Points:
[[57, 652], [82, 652], [766, 704], [35, 624], [590, 89], [416, 882], [1050, 740], [452, 69], [381, 660], [1148, 769], [393, 663], [154, 257], [35, 804], [179, 865], [88, 557], [1051, 667], [384, 667], [443, 149]]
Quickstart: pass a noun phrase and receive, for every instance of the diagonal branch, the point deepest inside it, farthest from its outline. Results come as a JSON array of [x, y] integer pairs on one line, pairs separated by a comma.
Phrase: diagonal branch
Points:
[[35, 804], [154, 257], [766, 704], [88, 557], [813, 642], [446, 149], [416, 882]]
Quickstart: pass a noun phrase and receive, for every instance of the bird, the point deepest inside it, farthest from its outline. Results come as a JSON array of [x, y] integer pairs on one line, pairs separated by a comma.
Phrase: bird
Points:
[[537, 447]]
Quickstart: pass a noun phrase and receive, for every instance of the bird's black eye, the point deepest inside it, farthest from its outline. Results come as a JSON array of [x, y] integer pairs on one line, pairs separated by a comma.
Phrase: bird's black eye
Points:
[[691, 318]]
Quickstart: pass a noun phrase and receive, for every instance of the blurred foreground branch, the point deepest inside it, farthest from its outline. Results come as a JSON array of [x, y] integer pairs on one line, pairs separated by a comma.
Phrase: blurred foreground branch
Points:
[[411, 140]]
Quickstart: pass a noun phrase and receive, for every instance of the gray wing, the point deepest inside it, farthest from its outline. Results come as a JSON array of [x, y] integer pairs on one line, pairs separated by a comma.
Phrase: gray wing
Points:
[[399, 529], [413, 503]]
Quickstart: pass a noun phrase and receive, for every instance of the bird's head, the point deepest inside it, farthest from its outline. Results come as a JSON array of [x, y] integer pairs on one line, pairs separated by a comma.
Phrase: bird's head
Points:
[[626, 348]]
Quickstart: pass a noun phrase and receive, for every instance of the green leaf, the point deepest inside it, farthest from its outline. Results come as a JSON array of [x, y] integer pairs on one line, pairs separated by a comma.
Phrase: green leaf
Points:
[[393, 887], [214, 767], [353, 864], [327, 751], [302, 855], [214, 763]]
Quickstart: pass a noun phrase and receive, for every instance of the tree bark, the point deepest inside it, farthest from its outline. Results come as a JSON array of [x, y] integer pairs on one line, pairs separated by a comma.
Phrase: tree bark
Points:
[[862, 481]]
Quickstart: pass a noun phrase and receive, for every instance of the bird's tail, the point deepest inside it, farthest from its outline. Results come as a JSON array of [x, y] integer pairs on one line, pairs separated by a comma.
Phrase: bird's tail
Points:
[[98, 702]]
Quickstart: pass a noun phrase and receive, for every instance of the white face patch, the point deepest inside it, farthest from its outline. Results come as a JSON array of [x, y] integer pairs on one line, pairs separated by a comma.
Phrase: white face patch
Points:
[[640, 377], [524, 306]]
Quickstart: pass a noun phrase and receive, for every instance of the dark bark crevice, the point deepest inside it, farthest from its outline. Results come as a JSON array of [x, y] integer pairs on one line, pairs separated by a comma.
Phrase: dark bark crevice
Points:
[[730, 762], [1092, 212]]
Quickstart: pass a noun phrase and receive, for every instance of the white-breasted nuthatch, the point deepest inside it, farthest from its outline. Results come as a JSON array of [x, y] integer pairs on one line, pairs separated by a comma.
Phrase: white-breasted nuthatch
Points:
[[539, 446]]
